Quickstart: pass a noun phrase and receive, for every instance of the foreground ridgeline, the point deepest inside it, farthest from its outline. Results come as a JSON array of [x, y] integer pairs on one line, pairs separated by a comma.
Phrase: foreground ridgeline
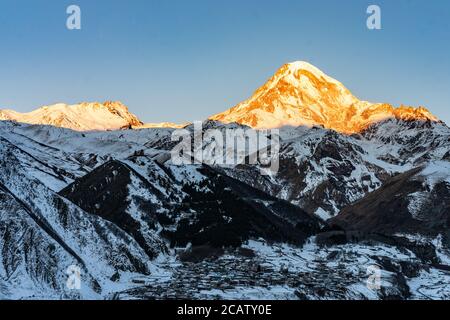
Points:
[[91, 211]]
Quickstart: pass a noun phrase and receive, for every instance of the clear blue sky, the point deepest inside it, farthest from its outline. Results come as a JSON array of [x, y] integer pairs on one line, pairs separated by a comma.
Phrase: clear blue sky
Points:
[[187, 59]]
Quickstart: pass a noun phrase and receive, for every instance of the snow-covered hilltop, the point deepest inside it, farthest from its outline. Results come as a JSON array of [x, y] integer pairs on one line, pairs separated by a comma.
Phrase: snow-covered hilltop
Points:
[[80, 117], [86, 116], [299, 94]]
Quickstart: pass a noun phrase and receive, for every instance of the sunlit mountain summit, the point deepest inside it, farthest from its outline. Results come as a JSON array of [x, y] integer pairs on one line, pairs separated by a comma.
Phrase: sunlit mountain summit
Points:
[[300, 94]]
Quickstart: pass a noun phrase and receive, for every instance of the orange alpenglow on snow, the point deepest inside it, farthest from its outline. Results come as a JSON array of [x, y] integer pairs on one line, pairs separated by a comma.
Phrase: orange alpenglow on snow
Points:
[[81, 117], [299, 94], [86, 116]]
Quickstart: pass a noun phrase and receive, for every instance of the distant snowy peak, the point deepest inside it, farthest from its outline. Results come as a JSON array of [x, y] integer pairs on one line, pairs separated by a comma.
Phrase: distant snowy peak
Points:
[[169, 125], [80, 117], [301, 94]]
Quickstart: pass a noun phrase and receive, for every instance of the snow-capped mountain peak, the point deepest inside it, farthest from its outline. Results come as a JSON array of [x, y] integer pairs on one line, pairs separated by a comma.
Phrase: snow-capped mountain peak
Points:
[[299, 94], [86, 116], [297, 68]]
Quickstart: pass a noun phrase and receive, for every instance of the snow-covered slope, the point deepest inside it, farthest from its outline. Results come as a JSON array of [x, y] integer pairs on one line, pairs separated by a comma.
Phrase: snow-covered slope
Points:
[[299, 94], [323, 171], [81, 117], [42, 234], [419, 202], [135, 204], [113, 203], [162, 125]]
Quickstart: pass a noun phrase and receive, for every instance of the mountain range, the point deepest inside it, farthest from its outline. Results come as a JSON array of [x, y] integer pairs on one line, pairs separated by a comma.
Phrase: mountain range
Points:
[[359, 185]]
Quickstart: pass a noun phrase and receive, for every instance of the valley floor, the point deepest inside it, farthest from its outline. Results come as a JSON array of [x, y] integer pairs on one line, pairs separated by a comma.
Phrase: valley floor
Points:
[[288, 273]]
